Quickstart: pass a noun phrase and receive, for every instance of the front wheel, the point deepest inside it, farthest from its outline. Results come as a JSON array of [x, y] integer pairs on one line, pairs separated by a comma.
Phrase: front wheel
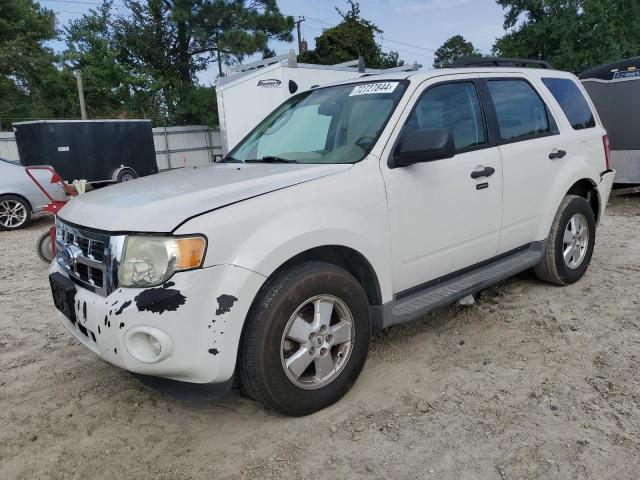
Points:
[[306, 339], [44, 248], [570, 243]]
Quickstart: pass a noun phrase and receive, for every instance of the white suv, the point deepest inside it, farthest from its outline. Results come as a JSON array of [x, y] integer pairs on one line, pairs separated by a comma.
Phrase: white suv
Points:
[[350, 208]]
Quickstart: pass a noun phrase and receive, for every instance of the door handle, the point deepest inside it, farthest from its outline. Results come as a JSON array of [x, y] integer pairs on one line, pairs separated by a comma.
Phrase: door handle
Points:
[[555, 153], [485, 172]]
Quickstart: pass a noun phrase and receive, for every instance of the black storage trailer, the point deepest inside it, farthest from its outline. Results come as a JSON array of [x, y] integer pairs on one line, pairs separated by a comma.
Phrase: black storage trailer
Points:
[[99, 151], [614, 88]]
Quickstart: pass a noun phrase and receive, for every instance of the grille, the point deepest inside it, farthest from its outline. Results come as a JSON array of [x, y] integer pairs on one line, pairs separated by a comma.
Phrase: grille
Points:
[[88, 266], [93, 249]]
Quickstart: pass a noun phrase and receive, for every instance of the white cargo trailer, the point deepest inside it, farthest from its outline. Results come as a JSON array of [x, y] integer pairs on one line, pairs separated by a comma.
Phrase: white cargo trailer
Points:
[[248, 93]]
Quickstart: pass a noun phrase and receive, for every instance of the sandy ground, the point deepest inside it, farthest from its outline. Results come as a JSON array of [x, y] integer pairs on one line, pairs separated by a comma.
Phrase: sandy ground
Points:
[[533, 381]]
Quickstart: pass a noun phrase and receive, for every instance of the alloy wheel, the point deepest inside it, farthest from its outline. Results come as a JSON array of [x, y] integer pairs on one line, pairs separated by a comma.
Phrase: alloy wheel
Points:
[[317, 342], [575, 241], [12, 214]]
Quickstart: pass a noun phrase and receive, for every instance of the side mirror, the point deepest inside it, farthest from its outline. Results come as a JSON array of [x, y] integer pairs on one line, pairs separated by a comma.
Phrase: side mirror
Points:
[[423, 146]]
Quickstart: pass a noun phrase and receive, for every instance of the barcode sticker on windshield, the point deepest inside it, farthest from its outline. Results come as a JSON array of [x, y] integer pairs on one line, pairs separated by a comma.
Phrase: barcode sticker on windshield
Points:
[[371, 88]]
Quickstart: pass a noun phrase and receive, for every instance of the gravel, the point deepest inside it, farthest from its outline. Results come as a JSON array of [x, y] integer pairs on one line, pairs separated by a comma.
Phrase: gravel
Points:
[[546, 386]]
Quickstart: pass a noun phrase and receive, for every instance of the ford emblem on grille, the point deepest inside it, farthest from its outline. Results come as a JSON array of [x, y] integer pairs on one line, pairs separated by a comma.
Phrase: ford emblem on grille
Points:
[[70, 254]]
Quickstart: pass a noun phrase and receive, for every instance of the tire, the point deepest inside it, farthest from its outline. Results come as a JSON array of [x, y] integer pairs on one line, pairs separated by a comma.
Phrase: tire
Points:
[[15, 212], [554, 268], [44, 248], [264, 350], [126, 175]]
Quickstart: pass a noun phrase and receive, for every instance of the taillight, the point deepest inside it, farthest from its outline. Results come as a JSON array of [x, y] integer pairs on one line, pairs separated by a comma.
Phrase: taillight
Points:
[[607, 149]]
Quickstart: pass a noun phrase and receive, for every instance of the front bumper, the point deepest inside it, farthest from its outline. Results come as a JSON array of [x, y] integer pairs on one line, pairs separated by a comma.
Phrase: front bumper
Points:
[[198, 318]]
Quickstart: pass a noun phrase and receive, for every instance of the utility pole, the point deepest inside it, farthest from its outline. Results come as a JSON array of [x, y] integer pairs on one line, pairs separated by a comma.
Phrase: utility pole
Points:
[[83, 108], [301, 48]]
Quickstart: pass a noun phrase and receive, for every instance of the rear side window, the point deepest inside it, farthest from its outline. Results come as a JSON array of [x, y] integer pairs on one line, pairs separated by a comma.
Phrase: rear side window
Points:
[[572, 102], [520, 111], [454, 107]]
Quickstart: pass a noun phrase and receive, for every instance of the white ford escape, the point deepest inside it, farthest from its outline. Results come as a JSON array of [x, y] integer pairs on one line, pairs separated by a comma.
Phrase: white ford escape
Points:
[[350, 208]]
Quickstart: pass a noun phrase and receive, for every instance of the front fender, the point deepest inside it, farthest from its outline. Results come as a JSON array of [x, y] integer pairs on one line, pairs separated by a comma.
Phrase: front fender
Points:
[[347, 209]]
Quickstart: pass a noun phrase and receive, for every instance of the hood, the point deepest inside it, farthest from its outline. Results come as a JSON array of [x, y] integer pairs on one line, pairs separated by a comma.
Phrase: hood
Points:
[[159, 203]]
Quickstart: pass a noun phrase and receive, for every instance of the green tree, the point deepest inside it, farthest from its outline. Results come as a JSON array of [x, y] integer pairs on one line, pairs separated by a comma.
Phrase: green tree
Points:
[[571, 34], [109, 82], [352, 37], [452, 49], [169, 41], [31, 86], [229, 30]]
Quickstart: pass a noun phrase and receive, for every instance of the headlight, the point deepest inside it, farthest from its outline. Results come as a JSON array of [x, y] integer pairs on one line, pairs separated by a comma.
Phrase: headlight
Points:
[[148, 260]]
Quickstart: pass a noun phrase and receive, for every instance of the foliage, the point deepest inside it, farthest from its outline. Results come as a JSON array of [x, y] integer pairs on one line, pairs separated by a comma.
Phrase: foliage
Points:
[[452, 49], [232, 29], [571, 34], [167, 42], [93, 49], [31, 85], [351, 38], [143, 63]]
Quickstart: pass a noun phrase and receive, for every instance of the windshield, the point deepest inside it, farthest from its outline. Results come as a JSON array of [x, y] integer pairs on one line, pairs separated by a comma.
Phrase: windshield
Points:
[[328, 125]]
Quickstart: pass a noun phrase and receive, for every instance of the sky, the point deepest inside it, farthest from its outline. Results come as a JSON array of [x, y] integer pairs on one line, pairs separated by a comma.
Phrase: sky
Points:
[[414, 28]]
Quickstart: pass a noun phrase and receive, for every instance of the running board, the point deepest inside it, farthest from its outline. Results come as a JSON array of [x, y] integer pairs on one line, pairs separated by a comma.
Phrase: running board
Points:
[[448, 290]]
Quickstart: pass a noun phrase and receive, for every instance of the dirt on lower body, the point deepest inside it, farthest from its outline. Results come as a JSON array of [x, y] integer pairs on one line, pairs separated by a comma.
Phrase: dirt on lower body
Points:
[[532, 381]]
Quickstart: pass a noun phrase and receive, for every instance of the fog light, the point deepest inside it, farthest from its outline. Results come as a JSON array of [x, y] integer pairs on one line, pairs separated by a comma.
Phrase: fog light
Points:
[[148, 344]]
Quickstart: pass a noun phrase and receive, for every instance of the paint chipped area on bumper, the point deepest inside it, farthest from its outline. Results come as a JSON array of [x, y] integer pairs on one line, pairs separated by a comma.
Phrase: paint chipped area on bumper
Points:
[[197, 316]]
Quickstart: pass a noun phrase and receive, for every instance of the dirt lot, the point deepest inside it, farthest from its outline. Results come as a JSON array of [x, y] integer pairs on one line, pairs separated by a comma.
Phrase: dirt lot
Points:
[[532, 381]]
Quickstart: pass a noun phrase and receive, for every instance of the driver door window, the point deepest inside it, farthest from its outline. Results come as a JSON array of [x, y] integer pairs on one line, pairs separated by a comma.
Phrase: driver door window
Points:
[[453, 107]]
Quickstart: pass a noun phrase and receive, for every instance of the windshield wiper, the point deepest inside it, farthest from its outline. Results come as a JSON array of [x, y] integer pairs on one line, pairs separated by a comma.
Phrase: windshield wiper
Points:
[[270, 159]]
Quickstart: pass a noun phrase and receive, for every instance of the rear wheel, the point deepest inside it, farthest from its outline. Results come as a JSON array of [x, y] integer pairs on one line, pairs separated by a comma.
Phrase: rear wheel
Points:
[[306, 339], [15, 212], [570, 243]]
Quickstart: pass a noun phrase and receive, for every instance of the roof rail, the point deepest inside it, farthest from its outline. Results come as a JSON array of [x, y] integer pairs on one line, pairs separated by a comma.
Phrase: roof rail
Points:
[[464, 62], [258, 64], [291, 60]]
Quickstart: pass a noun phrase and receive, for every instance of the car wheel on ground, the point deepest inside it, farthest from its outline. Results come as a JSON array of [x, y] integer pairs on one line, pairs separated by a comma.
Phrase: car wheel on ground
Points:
[[126, 175], [306, 339], [44, 247], [570, 243], [15, 212]]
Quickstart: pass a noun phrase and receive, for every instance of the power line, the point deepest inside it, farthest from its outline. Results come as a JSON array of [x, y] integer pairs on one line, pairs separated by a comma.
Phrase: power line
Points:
[[77, 2], [313, 19], [431, 50], [404, 51], [398, 42]]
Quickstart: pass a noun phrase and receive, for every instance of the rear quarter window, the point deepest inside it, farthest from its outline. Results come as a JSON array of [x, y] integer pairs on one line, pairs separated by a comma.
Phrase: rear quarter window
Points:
[[572, 102]]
